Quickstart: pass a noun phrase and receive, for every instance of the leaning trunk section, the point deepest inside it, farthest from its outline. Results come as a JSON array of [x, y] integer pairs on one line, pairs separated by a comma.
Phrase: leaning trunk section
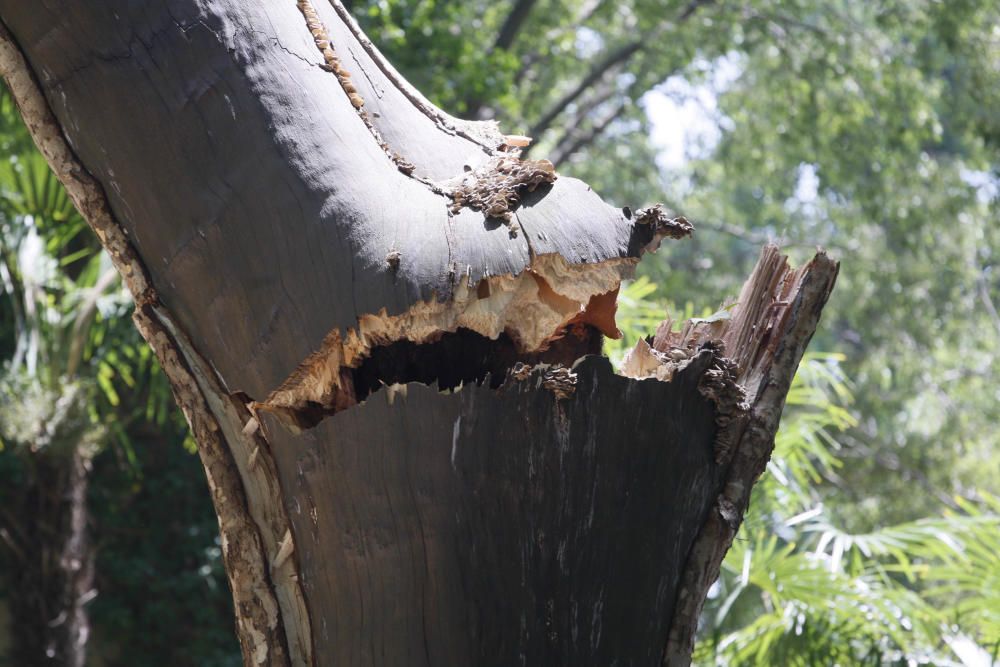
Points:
[[344, 231]]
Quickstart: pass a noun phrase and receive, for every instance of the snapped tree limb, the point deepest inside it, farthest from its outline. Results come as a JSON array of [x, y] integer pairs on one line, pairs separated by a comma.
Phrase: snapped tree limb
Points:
[[383, 326]]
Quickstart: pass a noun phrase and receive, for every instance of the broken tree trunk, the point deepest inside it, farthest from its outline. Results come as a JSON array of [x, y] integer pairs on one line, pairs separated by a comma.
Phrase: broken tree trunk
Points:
[[381, 325]]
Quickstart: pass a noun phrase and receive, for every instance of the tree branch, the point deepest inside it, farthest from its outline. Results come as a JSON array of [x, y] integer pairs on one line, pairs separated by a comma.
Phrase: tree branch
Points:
[[573, 141], [512, 25], [11, 534], [614, 59], [583, 111], [559, 154], [611, 61], [84, 316], [585, 12], [505, 38], [984, 294]]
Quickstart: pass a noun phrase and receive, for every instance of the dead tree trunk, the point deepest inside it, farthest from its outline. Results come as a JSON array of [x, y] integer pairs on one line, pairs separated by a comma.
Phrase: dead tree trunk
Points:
[[381, 325]]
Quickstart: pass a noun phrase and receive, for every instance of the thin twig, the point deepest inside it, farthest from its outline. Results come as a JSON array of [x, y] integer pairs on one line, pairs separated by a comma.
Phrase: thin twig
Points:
[[84, 316], [573, 129], [536, 57]]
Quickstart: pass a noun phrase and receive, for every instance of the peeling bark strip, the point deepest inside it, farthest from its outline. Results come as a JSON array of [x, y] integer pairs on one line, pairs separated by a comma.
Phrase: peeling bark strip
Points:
[[322, 40], [260, 625], [296, 241], [275, 573]]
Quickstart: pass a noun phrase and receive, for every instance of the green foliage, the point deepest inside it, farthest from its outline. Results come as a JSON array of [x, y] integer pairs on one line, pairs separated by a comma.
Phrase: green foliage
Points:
[[162, 590], [437, 41], [878, 116], [34, 419], [798, 590], [68, 332]]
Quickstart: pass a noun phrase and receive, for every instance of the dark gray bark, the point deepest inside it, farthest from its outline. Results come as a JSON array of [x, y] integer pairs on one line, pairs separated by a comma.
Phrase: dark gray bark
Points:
[[301, 229], [502, 527]]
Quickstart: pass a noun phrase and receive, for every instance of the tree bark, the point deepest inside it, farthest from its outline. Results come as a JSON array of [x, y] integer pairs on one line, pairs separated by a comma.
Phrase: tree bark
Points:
[[377, 320]]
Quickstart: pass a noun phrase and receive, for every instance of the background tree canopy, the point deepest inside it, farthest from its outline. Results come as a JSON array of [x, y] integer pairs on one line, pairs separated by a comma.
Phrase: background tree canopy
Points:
[[868, 127]]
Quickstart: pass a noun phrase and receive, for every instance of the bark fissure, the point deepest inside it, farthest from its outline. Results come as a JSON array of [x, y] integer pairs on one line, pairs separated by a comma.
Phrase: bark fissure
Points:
[[332, 63], [493, 187]]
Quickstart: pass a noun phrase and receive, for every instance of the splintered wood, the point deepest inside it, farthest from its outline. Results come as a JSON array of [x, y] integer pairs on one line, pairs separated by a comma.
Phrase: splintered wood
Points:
[[764, 337], [535, 308], [742, 338], [746, 330]]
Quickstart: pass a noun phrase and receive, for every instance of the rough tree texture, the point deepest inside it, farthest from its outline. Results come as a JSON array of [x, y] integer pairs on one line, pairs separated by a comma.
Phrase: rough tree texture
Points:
[[300, 228]]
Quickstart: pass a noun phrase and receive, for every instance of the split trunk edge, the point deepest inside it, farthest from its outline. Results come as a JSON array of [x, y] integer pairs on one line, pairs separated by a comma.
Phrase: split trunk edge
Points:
[[381, 323]]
